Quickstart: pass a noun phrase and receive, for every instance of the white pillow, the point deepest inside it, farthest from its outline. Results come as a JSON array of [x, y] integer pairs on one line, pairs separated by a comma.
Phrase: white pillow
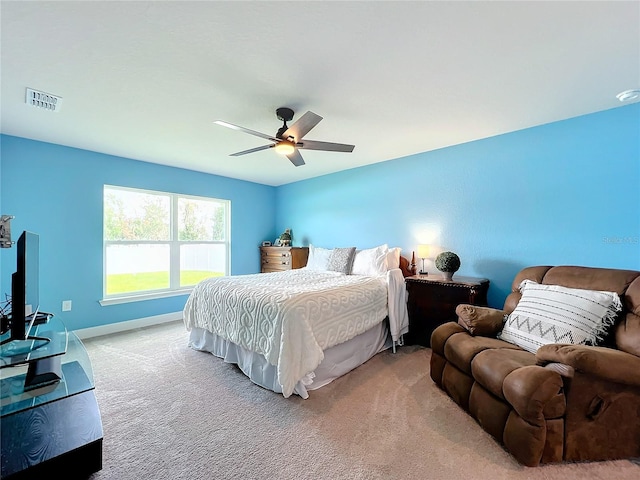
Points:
[[393, 258], [318, 259], [554, 314], [371, 261]]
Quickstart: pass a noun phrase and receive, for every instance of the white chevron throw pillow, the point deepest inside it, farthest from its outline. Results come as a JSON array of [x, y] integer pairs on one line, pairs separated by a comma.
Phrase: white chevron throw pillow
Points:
[[554, 314]]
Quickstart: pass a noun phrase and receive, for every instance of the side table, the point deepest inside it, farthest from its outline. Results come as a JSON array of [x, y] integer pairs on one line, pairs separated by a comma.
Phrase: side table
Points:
[[433, 301]]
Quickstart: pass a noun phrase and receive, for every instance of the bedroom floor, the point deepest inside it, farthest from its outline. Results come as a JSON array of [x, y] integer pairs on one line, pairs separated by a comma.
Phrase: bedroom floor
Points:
[[170, 412]]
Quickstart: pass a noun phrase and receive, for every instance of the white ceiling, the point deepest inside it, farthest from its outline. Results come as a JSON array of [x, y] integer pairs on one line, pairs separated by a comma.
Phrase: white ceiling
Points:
[[146, 80]]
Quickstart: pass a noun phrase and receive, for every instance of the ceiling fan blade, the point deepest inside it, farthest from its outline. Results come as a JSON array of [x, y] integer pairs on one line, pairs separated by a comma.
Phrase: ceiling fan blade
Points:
[[328, 146], [296, 158], [251, 150], [246, 130], [302, 126]]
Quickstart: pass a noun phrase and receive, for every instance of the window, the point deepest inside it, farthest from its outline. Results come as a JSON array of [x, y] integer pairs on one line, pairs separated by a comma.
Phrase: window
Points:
[[156, 243]]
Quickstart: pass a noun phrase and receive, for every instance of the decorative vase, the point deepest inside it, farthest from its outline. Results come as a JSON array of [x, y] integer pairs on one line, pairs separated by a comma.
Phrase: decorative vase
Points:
[[447, 276]]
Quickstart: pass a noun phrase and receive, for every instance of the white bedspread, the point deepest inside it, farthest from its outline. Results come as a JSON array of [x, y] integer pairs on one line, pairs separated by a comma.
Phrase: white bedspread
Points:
[[290, 317]]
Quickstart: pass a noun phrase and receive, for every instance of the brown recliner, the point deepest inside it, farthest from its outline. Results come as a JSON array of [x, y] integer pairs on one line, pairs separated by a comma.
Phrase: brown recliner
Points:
[[563, 403]]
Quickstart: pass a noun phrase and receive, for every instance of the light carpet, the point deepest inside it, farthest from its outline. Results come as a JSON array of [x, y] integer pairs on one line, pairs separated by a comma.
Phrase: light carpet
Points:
[[170, 412]]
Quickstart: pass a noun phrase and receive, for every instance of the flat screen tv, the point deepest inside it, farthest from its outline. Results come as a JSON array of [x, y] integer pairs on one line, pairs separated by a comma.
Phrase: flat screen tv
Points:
[[25, 286]]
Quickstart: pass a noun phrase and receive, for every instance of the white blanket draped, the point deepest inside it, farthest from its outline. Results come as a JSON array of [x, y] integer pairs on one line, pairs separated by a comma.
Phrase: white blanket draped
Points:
[[291, 317]]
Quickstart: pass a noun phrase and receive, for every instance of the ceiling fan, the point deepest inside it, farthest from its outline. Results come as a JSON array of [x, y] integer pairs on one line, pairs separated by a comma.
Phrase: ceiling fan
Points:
[[288, 140]]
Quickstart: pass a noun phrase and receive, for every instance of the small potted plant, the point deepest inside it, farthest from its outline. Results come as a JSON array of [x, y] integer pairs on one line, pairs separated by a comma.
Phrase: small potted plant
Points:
[[448, 263]]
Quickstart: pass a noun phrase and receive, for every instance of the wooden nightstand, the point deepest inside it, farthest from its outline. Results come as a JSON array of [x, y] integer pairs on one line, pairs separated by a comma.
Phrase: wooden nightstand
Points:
[[278, 259], [433, 301]]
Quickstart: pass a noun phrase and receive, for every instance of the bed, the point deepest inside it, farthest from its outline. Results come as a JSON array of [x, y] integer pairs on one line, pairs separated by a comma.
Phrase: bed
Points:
[[298, 330]]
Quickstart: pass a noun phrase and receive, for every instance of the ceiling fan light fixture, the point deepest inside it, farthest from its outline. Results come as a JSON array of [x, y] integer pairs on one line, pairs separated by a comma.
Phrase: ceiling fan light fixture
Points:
[[285, 147], [288, 141]]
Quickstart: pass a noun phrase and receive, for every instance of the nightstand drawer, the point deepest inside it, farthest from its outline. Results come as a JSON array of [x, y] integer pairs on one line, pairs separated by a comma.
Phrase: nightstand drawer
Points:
[[275, 253], [283, 262], [266, 268]]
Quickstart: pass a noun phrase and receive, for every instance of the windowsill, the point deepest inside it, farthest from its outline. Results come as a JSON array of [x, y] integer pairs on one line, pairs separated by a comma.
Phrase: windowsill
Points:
[[144, 296]]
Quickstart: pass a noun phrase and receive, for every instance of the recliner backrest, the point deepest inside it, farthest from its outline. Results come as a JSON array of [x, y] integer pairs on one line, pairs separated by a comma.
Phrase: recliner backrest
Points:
[[626, 283]]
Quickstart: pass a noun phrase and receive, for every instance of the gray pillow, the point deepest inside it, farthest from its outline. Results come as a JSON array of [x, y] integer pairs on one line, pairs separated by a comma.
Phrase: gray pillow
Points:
[[341, 260]]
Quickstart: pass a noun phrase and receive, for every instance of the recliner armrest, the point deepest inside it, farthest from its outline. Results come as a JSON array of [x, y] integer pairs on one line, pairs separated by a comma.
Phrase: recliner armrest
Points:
[[482, 321], [607, 363], [535, 393]]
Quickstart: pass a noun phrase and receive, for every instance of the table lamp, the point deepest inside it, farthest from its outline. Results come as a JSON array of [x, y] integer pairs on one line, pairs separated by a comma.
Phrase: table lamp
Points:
[[423, 252]]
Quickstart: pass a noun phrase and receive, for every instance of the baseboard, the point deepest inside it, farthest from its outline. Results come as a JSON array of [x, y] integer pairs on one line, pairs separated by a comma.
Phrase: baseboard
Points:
[[127, 325]]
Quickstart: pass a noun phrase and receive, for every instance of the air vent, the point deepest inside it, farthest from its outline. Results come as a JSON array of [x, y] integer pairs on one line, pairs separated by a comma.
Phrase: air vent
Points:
[[39, 99]]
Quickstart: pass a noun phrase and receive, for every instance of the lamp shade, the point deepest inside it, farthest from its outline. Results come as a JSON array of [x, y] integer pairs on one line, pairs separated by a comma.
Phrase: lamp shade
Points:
[[285, 147], [424, 251]]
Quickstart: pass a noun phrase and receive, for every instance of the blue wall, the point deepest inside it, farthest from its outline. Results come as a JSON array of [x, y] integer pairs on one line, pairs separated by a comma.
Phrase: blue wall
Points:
[[562, 193], [56, 191]]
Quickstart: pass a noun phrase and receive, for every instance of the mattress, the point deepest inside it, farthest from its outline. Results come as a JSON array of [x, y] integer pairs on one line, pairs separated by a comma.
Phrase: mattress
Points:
[[291, 317]]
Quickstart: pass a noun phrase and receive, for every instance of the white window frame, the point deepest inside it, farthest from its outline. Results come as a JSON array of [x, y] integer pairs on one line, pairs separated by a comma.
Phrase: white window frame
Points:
[[174, 247]]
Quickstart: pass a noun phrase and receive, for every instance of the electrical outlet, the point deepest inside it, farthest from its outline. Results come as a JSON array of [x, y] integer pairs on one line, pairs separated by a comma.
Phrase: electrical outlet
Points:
[[66, 305]]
